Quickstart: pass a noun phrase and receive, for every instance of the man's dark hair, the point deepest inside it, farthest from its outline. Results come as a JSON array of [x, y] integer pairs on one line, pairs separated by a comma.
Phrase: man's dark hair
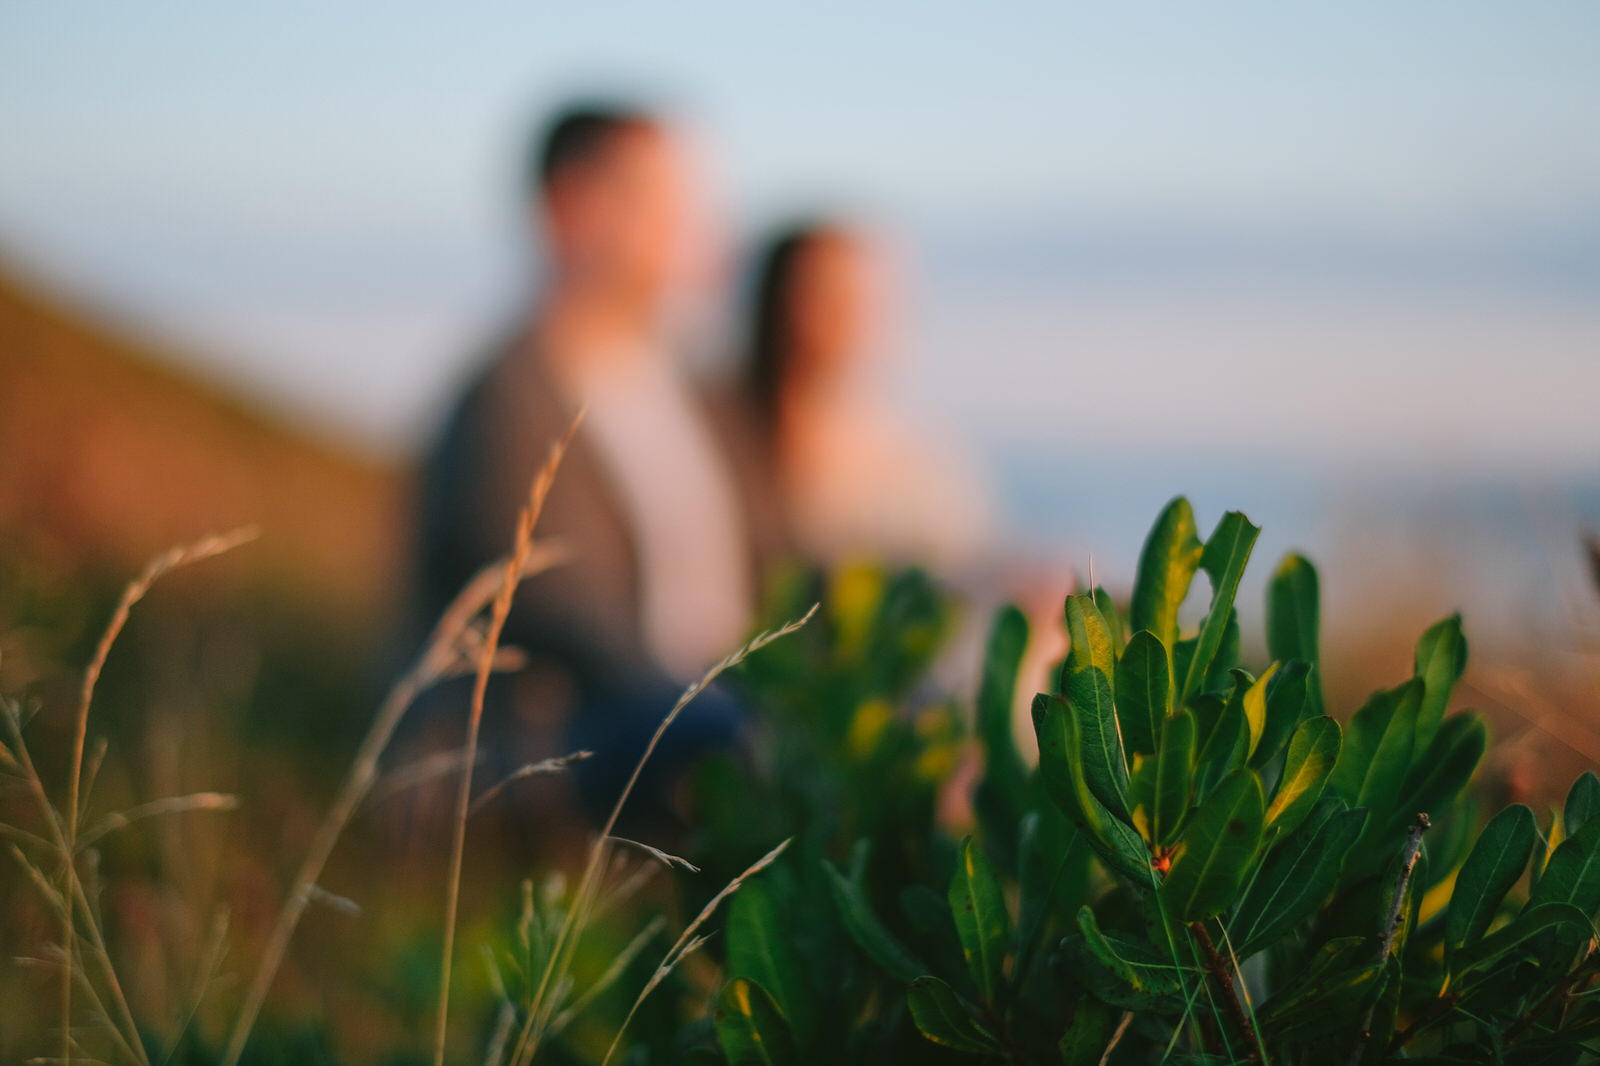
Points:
[[577, 134]]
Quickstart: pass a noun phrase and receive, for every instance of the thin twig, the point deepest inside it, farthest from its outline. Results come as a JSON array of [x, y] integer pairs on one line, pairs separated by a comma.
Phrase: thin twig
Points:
[[1397, 901], [1217, 966], [436, 658], [1116, 1037], [499, 612], [1397, 906], [1557, 994], [1435, 1010]]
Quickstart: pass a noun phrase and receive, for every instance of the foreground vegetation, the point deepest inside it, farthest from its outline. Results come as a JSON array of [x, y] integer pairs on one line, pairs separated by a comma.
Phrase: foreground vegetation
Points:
[[1203, 866]]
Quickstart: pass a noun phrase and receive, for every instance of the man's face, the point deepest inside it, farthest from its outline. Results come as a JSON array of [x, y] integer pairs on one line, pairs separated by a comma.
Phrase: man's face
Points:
[[620, 219]]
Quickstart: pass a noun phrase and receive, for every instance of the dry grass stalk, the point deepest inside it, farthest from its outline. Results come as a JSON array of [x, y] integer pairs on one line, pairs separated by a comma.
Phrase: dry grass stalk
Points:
[[688, 942], [533, 769], [440, 656], [522, 545], [613, 972], [414, 774], [198, 801], [216, 951], [63, 901], [665, 858], [64, 823], [544, 1004]]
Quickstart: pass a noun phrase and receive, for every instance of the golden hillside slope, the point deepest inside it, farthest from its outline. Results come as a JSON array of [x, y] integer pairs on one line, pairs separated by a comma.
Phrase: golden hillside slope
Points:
[[108, 457]]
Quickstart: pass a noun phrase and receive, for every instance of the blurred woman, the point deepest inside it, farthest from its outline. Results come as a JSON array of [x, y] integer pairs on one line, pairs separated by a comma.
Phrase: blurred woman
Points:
[[850, 479]]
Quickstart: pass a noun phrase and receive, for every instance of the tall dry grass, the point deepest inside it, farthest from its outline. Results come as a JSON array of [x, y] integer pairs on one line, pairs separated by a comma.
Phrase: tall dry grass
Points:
[[68, 900], [464, 640]]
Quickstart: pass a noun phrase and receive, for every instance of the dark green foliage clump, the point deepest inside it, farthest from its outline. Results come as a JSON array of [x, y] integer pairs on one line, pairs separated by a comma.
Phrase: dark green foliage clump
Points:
[[1203, 867]]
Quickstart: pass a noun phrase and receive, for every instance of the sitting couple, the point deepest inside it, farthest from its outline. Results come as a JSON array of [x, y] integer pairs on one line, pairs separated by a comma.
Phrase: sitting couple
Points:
[[675, 496]]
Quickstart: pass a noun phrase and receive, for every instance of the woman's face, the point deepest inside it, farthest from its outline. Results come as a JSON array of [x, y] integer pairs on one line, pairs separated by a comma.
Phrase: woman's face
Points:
[[829, 306]]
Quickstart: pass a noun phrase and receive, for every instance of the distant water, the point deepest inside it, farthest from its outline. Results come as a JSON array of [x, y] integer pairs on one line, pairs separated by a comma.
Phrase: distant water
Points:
[[1505, 549]]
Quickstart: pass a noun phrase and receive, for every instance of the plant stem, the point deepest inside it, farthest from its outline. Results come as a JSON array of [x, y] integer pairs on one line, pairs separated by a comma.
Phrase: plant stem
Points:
[[522, 545], [585, 902], [1397, 901], [1218, 968], [1397, 906], [132, 594], [1430, 1014], [1557, 995], [436, 659]]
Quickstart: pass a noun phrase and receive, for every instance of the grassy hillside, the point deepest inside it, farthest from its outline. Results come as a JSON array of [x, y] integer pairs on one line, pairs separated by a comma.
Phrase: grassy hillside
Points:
[[107, 457]]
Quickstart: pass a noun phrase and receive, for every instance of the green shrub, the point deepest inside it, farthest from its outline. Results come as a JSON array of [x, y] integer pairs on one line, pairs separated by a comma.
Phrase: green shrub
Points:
[[1204, 867]]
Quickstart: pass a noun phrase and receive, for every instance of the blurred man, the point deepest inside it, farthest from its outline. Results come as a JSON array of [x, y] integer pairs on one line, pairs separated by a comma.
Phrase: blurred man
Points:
[[648, 502]]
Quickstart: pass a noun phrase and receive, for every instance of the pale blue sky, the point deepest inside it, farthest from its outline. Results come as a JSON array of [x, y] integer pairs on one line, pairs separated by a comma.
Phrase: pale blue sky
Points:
[[1355, 228]]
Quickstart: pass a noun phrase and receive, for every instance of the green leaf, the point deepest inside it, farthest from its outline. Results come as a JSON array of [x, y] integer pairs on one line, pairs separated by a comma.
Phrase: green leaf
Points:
[[1293, 611], [1327, 997], [1224, 736], [1174, 778], [1385, 1013], [1091, 664], [1313, 753], [1143, 691], [1297, 877], [1551, 839], [761, 948], [1167, 564], [1001, 796], [1444, 769], [1227, 656], [1224, 558], [1217, 849], [1376, 752], [1583, 802], [1287, 707], [1061, 763], [1061, 769], [1108, 611], [1054, 868], [1105, 767], [1440, 660], [751, 1029], [1090, 637], [1255, 706], [1121, 971], [928, 914], [1162, 785], [1573, 873], [1517, 933], [979, 909], [868, 932], [1142, 795], [1495, 864], [946, 1019]]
